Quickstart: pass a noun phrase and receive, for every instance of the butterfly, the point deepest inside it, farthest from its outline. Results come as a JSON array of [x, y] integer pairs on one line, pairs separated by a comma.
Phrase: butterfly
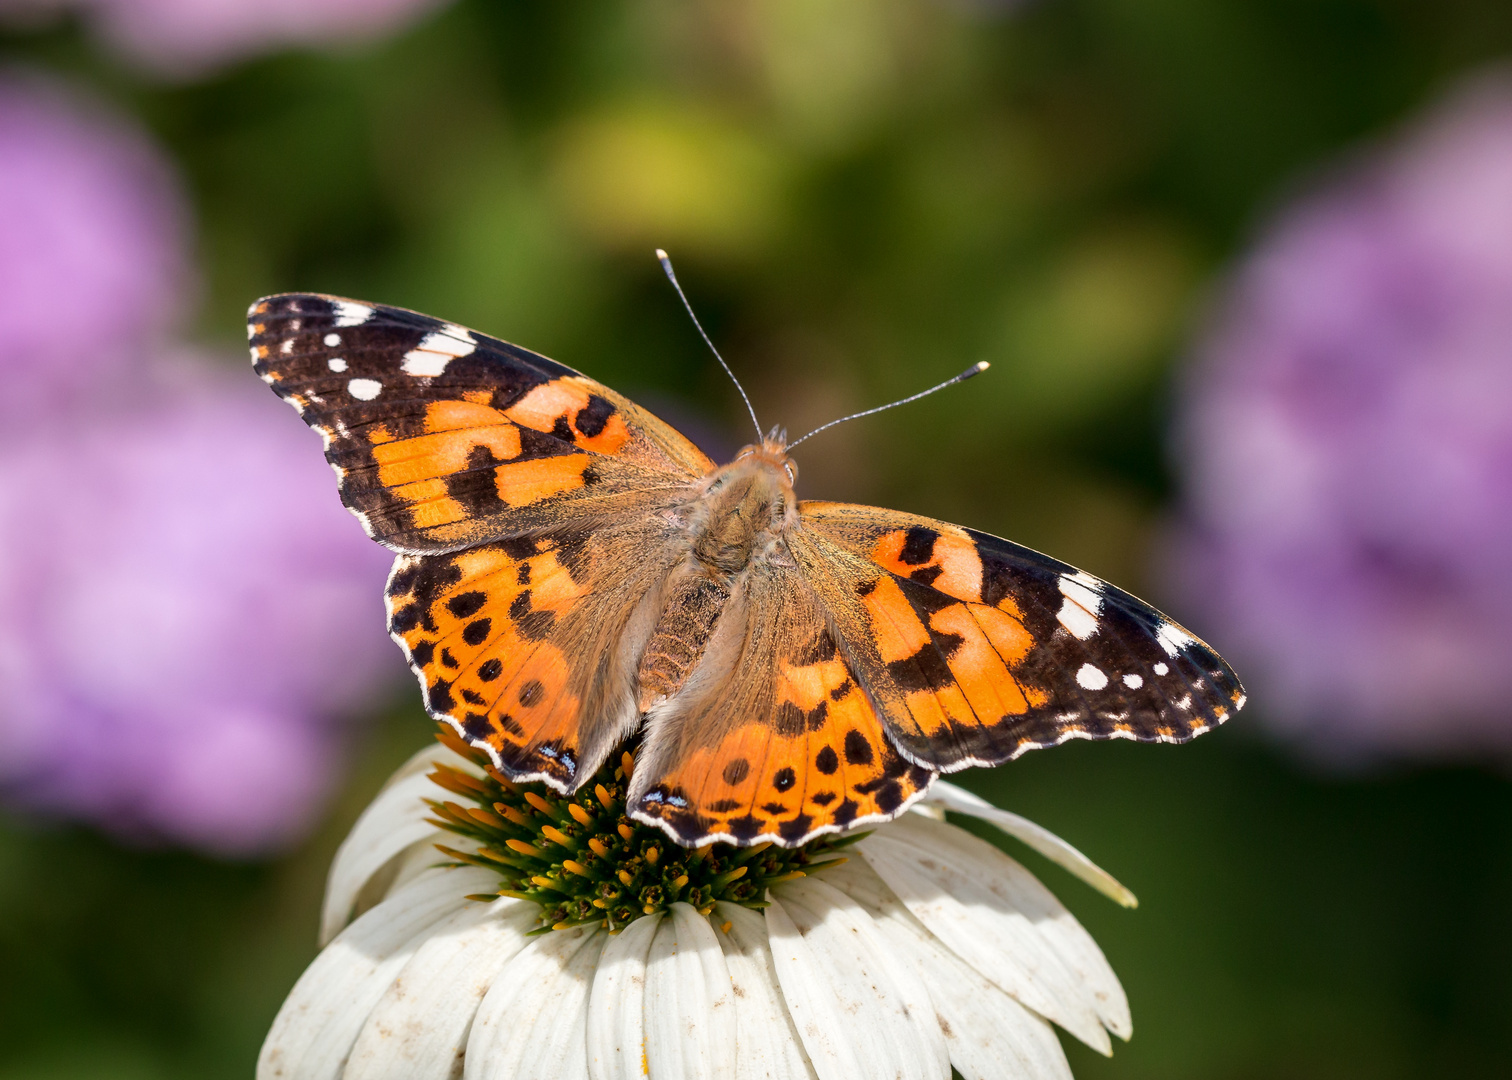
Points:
[[572, 571]]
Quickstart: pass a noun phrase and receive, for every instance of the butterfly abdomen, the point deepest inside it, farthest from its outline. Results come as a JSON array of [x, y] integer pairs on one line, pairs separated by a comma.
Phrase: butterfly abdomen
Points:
[[681, 634]]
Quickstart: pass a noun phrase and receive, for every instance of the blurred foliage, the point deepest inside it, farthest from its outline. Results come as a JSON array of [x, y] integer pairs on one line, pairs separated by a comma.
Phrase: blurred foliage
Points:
[[863, 197]]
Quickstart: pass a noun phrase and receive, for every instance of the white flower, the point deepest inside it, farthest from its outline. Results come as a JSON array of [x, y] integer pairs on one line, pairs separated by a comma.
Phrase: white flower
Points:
[[933, 949]]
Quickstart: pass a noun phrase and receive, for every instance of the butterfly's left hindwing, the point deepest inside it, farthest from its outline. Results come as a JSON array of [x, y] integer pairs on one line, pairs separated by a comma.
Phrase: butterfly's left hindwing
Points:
[[444, 437], [526, 647], [977, 649]]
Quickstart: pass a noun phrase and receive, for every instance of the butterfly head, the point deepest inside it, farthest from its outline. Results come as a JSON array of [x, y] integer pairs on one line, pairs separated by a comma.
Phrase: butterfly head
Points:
[[770, 453]]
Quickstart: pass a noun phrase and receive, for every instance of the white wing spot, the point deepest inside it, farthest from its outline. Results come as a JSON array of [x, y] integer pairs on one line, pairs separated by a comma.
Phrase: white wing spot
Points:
[[1133, 682], [1081, 606], [350, 314], [1239, 702], [332, 340], [364, 389], [1160, 669], [436, 350], [336, 363], [287, 347], [1185, 702], [1091, 678], [1173, 638]]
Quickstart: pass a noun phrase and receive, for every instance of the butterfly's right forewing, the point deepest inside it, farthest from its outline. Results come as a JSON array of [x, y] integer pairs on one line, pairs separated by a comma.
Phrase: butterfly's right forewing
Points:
[[976, 649]]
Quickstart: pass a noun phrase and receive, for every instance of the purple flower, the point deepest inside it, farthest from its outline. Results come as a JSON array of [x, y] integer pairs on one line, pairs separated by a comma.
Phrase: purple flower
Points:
[[185, 608], [92, 247], [1347, 445], [184, 38]]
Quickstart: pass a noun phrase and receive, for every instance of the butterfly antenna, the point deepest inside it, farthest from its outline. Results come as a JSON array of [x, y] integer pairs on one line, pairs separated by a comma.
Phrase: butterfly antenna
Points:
[[672, 277], [975, 369]]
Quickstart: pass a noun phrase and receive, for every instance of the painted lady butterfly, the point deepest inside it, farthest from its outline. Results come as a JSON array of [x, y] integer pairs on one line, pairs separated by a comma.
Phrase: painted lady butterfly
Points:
[[571, 570]]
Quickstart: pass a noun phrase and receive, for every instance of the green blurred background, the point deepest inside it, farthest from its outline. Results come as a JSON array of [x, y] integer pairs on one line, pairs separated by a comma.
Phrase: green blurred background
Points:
[[862, 197]]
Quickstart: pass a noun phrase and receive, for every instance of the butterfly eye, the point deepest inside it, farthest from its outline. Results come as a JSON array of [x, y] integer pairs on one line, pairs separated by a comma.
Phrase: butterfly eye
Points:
[[792, 471]]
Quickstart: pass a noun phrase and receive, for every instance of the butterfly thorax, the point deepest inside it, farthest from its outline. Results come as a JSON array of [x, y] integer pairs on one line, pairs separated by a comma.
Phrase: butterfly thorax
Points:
[[736, 522]]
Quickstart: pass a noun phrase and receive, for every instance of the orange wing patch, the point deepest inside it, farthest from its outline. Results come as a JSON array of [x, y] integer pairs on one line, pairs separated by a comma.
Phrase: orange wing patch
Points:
[[455, 431], [949, 666], [527, 482], [475, 625], [950, 564], [570, 407]]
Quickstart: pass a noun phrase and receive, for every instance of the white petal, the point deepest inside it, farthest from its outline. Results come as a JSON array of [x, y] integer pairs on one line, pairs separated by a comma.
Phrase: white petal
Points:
[[412, 862], [419, 1027], [990, 1036], [392, 822], [689, 1009], [997, 917], [616, 1009], [1071, 942], [533, 1023], [767, 1046], [859, 1014], [944, 794], [424, 759], [319, 1021]]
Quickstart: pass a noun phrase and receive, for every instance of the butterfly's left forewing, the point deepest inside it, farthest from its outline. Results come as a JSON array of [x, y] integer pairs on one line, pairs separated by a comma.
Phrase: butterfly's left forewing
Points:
[[443, 437], [976, 649]]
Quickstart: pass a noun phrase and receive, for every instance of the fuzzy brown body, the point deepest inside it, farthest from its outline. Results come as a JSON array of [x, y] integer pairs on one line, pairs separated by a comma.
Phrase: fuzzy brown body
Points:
[[572, 572], [738, 519]]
